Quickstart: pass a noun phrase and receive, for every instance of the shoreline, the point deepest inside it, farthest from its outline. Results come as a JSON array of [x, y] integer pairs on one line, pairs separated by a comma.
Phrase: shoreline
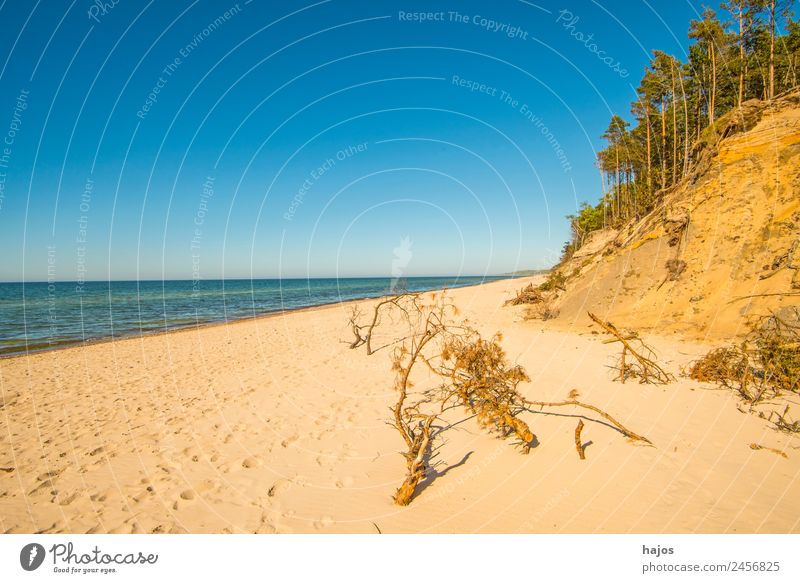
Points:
[[276, 426], [68, 345]]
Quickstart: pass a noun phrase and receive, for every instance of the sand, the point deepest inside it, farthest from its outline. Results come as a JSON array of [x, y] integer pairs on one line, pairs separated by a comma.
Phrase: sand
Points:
[[275, 425]]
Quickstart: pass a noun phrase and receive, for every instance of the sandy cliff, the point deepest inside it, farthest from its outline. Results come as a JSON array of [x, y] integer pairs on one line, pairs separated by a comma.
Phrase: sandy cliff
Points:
[[725, 233]]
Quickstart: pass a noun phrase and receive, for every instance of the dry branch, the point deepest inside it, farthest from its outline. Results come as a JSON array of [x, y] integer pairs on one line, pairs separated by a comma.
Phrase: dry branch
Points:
[[764, 296], [624, 430], [782, 422], [404, 303], [643, 366], [578, 442], [772, 449]]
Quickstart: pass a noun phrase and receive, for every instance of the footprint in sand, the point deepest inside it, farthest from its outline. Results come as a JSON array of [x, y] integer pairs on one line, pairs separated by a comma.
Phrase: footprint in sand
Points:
[[268, 523], [144, 494], [56, 527], [99, 497], [46, 485], [289, 440], [279, 488], [323, 522], [47, 475], [345, 482], [192, 453], [346, 453], [62, 500], [251, 462]]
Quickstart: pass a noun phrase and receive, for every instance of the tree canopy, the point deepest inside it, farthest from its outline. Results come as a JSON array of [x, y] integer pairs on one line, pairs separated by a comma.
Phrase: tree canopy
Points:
[[752, 55]]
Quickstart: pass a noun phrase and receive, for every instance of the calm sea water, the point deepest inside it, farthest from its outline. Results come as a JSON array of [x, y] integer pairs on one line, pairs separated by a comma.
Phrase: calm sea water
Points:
[[38, 316]]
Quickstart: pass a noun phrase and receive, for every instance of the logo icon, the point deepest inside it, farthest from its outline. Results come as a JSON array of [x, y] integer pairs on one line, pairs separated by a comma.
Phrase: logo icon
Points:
[[31, 556]]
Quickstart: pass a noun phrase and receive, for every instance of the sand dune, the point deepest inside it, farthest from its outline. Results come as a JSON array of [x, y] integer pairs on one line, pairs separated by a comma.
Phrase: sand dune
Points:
[[274, 425], [729, 227]]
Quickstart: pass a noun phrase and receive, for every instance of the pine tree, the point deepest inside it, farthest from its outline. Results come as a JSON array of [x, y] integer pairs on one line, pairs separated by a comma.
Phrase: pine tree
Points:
[[710, 36], [727, 65]]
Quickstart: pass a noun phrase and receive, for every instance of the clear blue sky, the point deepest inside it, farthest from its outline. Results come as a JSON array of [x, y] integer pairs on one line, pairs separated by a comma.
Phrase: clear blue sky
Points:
[[303, 139]]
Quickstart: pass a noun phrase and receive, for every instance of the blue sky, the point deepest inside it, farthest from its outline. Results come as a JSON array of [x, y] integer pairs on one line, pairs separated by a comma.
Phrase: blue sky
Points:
[[293, 139]]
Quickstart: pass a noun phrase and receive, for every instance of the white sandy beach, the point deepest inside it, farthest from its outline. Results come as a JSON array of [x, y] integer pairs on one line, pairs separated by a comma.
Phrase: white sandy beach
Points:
[[275, 425]]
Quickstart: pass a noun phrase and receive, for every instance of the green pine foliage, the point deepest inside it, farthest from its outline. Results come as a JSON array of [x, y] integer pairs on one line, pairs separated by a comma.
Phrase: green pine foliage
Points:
[[752, 51]]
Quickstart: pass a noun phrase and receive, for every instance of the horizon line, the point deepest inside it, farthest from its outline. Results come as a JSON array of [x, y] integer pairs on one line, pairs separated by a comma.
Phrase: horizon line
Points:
[[125, 280]]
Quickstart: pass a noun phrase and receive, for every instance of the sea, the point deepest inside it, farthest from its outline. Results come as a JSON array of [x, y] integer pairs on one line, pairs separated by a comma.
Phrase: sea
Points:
[[41, 316]]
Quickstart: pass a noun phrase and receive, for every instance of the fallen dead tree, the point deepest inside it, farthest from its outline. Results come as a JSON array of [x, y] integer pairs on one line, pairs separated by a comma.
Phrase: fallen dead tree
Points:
[[475, 377], [764, 367], [527, 295], [537, 302], [637, 359], [730, 367]]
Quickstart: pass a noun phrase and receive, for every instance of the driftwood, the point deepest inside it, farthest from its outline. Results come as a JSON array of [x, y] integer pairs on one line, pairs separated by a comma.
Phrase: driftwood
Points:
[[765, 365], [643, 364]]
